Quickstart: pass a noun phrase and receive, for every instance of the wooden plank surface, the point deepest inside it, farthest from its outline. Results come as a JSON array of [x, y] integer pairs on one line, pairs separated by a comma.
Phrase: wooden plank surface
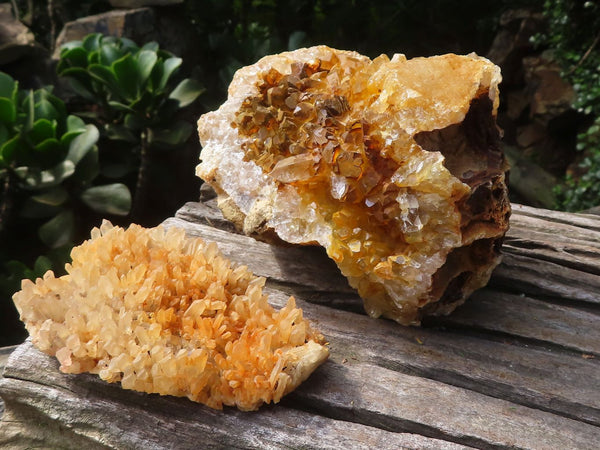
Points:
[[517, 366], [87, 411], [4, 354]]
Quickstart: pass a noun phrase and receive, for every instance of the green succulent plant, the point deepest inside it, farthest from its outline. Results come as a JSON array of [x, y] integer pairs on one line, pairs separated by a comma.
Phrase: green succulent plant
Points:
[[48, 164], [129, 92]]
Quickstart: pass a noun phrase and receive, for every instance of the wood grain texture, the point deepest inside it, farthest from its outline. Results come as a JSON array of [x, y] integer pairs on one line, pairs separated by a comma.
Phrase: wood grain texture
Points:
[[4, 354], [74, 410], [517, 366]]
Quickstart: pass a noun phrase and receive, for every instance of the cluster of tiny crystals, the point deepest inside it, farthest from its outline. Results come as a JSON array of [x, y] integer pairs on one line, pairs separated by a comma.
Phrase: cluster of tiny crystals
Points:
[[391, 206], [162, 313]]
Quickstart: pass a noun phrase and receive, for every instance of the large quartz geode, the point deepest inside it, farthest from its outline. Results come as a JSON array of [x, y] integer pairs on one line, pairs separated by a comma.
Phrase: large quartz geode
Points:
[[162, 313], [394, 166]]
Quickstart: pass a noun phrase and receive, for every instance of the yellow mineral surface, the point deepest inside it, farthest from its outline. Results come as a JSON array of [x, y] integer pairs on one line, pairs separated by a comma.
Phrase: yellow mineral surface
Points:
[[165, 314], [394, 166]]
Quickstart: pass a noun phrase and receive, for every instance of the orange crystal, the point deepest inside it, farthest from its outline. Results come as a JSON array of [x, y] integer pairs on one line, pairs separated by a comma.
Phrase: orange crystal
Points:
[[162, 313], [394, 166]]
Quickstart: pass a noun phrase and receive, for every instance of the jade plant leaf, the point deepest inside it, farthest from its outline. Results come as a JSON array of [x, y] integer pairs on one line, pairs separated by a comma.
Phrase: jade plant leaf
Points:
[[76, 57], [55, 196], [109, 199], [186, 92], [169, 67], [127, 74], [10, 149], [146, 59], [30, 209], [42, 129], [107, 77], [88, 167], [120, 133], [82, 144], [33, 178], [92, 42], [58, 230], [174, 136], [8, 112], [7, 85]]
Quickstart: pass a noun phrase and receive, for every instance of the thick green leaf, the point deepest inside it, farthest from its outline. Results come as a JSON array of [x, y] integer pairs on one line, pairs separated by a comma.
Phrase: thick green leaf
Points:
[[88, 167], [10, 149], [83, 144], [30, 209], [92, 41], [50, 148], [127, 73], [109, 53], [146, 60], [45, 110], [169, 67], [79, 73], [42, 129], [68, 137], [186, 92], [58, 230], [39, 179], [82, 88], [58, 104], [152, 46], [121, 106], [75, 126], [8, 112], [94, 57], [42, 265], [108, 199], [144, 103], [3, 135], [171, 137], [107, 77], [128, 45], [69, 46], [120, 133], [7, 85], [55, 196], [76, 57], [75, 123]]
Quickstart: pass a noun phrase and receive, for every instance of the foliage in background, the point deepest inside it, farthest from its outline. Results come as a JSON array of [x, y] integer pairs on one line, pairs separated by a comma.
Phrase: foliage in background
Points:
[[48, 175], [574, 36], [128, 92], [235, 33]]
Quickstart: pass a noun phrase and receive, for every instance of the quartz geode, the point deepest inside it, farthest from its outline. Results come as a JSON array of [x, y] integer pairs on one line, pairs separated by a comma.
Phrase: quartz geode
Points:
[[394, 166], [163, 313]]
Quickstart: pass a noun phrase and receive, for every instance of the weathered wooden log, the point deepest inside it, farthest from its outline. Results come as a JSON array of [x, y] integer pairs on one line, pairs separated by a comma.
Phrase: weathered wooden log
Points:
[[517, 366]]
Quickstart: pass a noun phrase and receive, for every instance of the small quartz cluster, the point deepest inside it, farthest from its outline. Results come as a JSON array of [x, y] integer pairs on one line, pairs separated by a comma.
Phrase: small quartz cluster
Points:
[[162, 313], [394, 166]]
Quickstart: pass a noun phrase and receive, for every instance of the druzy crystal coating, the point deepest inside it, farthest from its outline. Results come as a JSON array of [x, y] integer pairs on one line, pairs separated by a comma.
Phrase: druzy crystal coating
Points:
[[393, 166]]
